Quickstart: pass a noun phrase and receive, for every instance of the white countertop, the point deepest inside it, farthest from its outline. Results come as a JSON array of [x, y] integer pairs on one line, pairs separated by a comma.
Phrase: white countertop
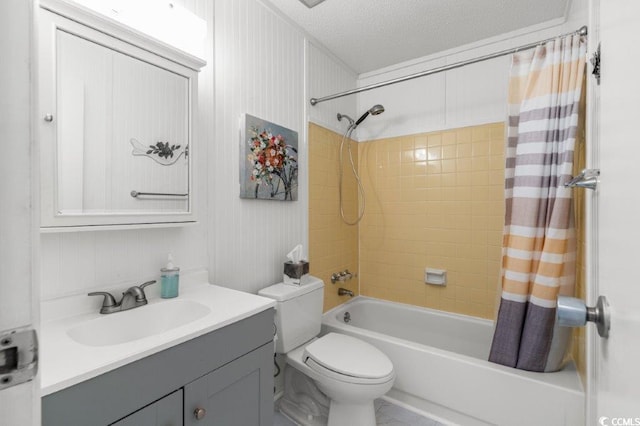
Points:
[[64, 362]]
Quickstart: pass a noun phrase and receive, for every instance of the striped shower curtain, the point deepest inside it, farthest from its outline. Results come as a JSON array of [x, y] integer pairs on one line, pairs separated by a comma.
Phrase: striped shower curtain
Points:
[[538, 256]]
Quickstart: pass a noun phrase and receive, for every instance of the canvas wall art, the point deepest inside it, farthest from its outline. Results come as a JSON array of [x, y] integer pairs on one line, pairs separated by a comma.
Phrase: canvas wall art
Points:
[[268, 160]]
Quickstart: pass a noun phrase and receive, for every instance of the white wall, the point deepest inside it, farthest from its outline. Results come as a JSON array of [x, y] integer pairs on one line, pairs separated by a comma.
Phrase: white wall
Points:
[[617, 210], [260, 71], [15, 175], [471, 95], [329, 75], [265, 66]]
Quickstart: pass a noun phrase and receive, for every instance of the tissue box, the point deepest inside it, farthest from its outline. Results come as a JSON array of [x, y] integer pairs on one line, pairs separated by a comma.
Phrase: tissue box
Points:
[[293, 272]]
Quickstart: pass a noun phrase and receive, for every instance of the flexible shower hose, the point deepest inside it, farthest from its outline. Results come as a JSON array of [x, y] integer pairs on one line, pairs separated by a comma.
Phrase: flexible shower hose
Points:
[[361, 196]]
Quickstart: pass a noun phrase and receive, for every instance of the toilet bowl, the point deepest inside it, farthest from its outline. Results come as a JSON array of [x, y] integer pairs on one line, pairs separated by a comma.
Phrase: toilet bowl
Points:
[[350, 372]]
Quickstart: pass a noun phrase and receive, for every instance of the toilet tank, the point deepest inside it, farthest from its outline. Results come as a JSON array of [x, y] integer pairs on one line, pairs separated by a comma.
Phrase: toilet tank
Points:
[[298, 312]]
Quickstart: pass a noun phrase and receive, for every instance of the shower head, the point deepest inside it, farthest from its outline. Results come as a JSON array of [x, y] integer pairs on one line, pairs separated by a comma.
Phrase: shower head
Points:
[[374, 110]]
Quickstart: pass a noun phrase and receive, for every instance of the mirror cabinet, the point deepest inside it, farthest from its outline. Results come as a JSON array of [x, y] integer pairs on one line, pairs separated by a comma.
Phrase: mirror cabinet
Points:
[[116, 126]]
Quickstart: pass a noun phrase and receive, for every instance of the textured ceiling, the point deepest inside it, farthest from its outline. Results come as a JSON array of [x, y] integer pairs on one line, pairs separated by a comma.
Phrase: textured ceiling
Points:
[[371, 34]]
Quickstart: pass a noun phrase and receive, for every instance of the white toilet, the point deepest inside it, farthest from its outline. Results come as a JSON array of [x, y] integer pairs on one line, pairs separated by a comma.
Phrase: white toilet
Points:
[[349, 371]]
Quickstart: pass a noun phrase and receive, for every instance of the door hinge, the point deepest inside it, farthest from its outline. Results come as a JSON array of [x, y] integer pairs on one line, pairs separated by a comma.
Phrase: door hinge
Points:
[[18, 357], [595, 62]]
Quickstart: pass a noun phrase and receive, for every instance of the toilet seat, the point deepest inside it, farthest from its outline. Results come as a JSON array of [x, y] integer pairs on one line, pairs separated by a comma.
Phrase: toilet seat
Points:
[[348, 359]]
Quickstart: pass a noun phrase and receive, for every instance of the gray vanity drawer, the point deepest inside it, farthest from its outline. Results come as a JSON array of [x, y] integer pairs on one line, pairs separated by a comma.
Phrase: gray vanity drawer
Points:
[[165, 412]]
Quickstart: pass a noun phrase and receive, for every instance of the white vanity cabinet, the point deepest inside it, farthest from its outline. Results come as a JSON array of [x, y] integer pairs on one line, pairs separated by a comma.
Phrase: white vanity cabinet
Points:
[[116, 123]]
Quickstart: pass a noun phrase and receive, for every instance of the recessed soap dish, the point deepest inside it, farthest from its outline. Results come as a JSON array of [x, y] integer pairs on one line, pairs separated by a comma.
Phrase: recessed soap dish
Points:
[[435, 276]]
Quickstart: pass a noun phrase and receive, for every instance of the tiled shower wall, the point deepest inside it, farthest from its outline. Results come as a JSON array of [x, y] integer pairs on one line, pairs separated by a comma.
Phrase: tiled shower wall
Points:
[[434, 200], [333, 245]]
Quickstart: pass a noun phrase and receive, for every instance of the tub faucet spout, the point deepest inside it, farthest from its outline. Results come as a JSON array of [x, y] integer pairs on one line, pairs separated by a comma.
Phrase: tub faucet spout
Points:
[[345, 292]]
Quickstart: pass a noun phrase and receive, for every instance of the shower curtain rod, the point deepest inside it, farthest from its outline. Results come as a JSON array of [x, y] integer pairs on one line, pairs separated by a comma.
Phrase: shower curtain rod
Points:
[[582, 31]]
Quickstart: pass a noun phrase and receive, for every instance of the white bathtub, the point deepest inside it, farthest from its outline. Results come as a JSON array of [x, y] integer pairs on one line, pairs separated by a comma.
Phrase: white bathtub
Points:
[[440, 360]]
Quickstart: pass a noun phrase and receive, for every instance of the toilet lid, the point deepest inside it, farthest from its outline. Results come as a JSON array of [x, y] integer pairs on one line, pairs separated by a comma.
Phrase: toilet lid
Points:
[[349, 356]]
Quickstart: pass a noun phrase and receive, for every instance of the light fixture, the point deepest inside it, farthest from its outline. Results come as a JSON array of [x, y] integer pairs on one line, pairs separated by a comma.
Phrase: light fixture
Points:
[[311, 3], [163, 20]]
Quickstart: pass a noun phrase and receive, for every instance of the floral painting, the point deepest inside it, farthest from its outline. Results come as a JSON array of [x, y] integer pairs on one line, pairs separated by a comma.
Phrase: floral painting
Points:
[[268, 161]]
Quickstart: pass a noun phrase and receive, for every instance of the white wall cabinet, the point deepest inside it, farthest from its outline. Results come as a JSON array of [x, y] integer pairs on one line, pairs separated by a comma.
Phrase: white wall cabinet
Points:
[[116, 123]]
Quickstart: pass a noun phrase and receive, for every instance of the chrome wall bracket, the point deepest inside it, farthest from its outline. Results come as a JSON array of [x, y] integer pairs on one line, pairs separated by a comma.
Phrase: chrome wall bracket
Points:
[[588, 178]]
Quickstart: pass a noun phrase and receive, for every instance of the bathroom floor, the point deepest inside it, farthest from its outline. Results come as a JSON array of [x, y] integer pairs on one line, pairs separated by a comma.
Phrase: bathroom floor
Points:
[[387, 414]]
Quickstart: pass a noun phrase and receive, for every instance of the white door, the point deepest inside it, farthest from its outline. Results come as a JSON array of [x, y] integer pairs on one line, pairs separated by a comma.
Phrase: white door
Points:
[[19, 404], [617, 368]]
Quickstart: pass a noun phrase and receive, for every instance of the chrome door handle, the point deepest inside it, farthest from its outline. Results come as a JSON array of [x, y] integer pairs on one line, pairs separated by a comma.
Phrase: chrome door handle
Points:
[[573, 312]]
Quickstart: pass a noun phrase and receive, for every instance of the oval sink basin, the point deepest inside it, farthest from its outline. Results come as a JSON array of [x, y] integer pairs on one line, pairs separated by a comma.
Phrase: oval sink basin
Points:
[[137, 323]]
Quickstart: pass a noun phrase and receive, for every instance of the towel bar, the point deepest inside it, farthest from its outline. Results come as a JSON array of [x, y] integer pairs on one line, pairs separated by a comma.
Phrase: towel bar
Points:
[[135, 194]]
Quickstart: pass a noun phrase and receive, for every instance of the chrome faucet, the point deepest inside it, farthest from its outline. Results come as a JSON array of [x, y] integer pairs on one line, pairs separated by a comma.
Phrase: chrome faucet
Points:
[[345, 292], [132, 298]]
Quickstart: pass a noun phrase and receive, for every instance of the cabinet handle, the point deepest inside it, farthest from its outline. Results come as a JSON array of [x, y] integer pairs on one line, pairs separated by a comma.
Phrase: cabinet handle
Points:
[[199, 413], [48, 118]]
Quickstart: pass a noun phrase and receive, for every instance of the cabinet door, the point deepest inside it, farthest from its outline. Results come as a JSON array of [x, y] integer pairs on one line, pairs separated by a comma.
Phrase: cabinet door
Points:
[[164, 412], [237, 394], [116, 127]]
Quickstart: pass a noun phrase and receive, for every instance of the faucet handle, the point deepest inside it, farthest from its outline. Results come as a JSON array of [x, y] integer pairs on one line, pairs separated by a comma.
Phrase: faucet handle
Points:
[[138, 291], [108, 301], [148, 283]]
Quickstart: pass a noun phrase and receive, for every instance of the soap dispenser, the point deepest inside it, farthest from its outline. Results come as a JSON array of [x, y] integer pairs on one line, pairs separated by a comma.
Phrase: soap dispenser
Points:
[[169, 279]]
